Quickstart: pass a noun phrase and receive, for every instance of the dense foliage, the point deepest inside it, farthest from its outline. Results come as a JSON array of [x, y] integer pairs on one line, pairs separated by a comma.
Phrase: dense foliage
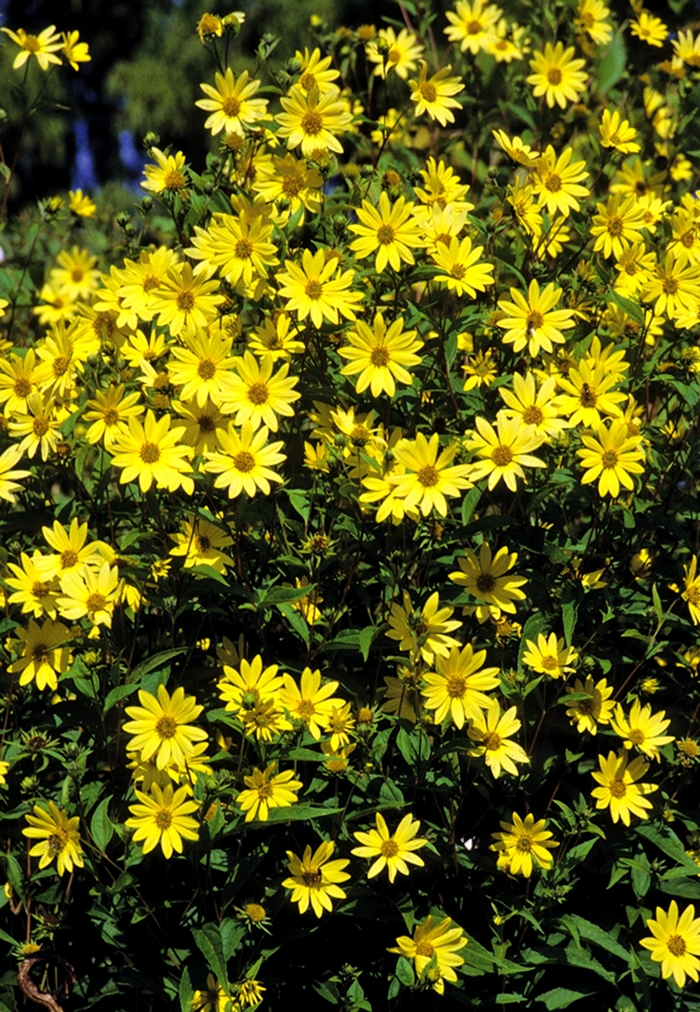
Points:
[[349, 530]]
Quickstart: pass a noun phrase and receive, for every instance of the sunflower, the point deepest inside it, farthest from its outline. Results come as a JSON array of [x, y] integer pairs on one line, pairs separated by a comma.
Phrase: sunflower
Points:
[[504, 451], [463, 273], [423, 633], [556, 75], [642, 729], [310, 702], [549, 656], [391, 232], [429, 475], [43, 47], [267, 791], [594, 706], [59, 838], [440, 942], [457, 689], [617, 225], [434, 94], [492, 733], [675, 942], [649, 29], [167, 175], [522, 842], [612, 458], [201, 542], [534, 322], [163, 817], [394, 53], [246, 461], [8, 474], [313, 120], [619, 789], [231, 103], [185, 302], [539, 408], [151, 453], [381, 355], [487, 578], [557, 181], [45, 653], [313, 878], [313, 291], [256, 396], [617, 133], [161, 726], [690, 592]]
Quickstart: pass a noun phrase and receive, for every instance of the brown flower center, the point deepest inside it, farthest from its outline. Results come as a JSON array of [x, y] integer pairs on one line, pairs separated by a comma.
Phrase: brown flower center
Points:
[[379, 356], [291, 185], [163, 819], [40, 589], [312, 123], [243, 249], [554, 76], [60, 365], [501, 455], [314, 290], [425, 949], [676, 946], [312, 879], [618, 788], [616, 226], [549, 662], [40, 427], [149, 453], [389, 848], [166, 727], [96, 602], [492, 742], [385, 235], [456, 686], [69, 558], [231, 106], [185, 302], [244, 462], [609, 458], [258, 393], [206, 369], [174, 181], [532, 415], [553, 183], [428, 476], [22, 388], [428, 91]]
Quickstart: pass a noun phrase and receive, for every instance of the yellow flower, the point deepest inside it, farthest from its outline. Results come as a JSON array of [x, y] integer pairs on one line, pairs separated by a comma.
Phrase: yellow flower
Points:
[[473, 25], [316, 70], [390, 231], [74, 51], [313, 878], [59, 836], [534, 322], [463, 274], [292, 180], [163, 817], [556, 75], [687, 48], [203, 369], [248, 684], [649, 29], [393, 851], [392, 52], [557, 183], [428, 475], [433, 95], [521, 842], [619, 789], [201, 542], [43, 47], [246, 461], [642, 729], [441, 942], [690, 592], [596, 708], [166, 176], [492, 732], [254, 395], [39, 429], [675, 942], [238, 247], [381, 355], [617, 133], [150, 453], [505, 451], [109, 408], [161, 726], [313, 291], [32, 590], [184, 301], [423, 633], [675, 288], [8, 458], [45, 654], [591, 18], [612, 457], [487, 578], [617, 225], [267, 791], [89, 594], [231, 103], [213, 998], [549, 656], [313, 120], [539, 408], [81, 204], [310, 702], [458, 688], [72, 552]]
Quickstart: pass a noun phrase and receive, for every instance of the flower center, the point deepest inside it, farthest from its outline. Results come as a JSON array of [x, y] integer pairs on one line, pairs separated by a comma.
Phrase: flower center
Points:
[[22, 388], [305, 709], [243, 249], [312, 879], [244, 462], [40, 653], [688, 238], [202, 543], [385, 235], [492, 742], [314, 290], [312, 123], [149, 453], [554, 76], [609, 458], [379, 356], [69, 558], [77, 275], [456, 686], [458, 271], [206, 424], [485, 583], [425, 949], [549, 662], [163, 819], [174, 181], [40, 589], [96, 602], [258, 393], [676, 945], [553, 182], [255, 912], [588, 398], [149, 283], [32, 44], [524, 843], [291, 185], [670, 286], [389, 848], [428, 476], [473, 28], [360, 435], [58, 839], [618, 788], [636, 736], [394, 55], [231, 106], [616, 226], [60, 365], [185, 301], [501, 455], [428, 91], [40, 427], [265, 791], [206, 369], [307, 80], [166, 727], [532, 415], [111, 416]]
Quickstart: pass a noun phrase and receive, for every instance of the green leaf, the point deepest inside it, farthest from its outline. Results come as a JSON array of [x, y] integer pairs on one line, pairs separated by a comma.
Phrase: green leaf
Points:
[[209, 943], [185, 991], [658, 610], [579, 926], [569, 611], [118, 693], [561, 997], [404, 972], [101, 826], [667, 841], [158, 660], [613, 65], [633, 310], [413, 745], [231, 934], [469, 504]]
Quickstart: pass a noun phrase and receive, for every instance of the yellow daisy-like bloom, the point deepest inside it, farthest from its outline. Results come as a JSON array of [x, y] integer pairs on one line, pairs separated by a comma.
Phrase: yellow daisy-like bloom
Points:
[[534, 322], [587, 393], [313, 878], [292, 180], [8, 485], [310, 702], [381, 355], [163, 817], [107, 410], [557, 182], [516, 149], [265, 721], [80, 204], [276, 338], [90, 594], [201, 542], [617, 225], [75, 51], [72, 554], [597, 708], [389, 231], [256, 396], [39, 429], [493, 731], [423, 633], [690, 592], [249, 684], [161, 726], [231, 103], [473, 25], [394, 53], [505, 451], [675, 942], [522, 842], [487, 578], [316, 70], [213, 998], [687, 48], [612, 457], [203, 369], [166, 176], [617, 133], [539, 408], [441, 942], [59, 836], [43, 47], [591, 17], [32, 590], [463, 274], [428, 476], [649, 29], [185, 302], [442, 186], [150, 453], [76, 276], [458, 688], [619, 790], [549, 656], [45, 654], [236, 246], [393, 851], [556, 75], [434, 95], [675, 288], [642, 729], [267, 791], [312, 290], [313, 120], [246, 461]]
